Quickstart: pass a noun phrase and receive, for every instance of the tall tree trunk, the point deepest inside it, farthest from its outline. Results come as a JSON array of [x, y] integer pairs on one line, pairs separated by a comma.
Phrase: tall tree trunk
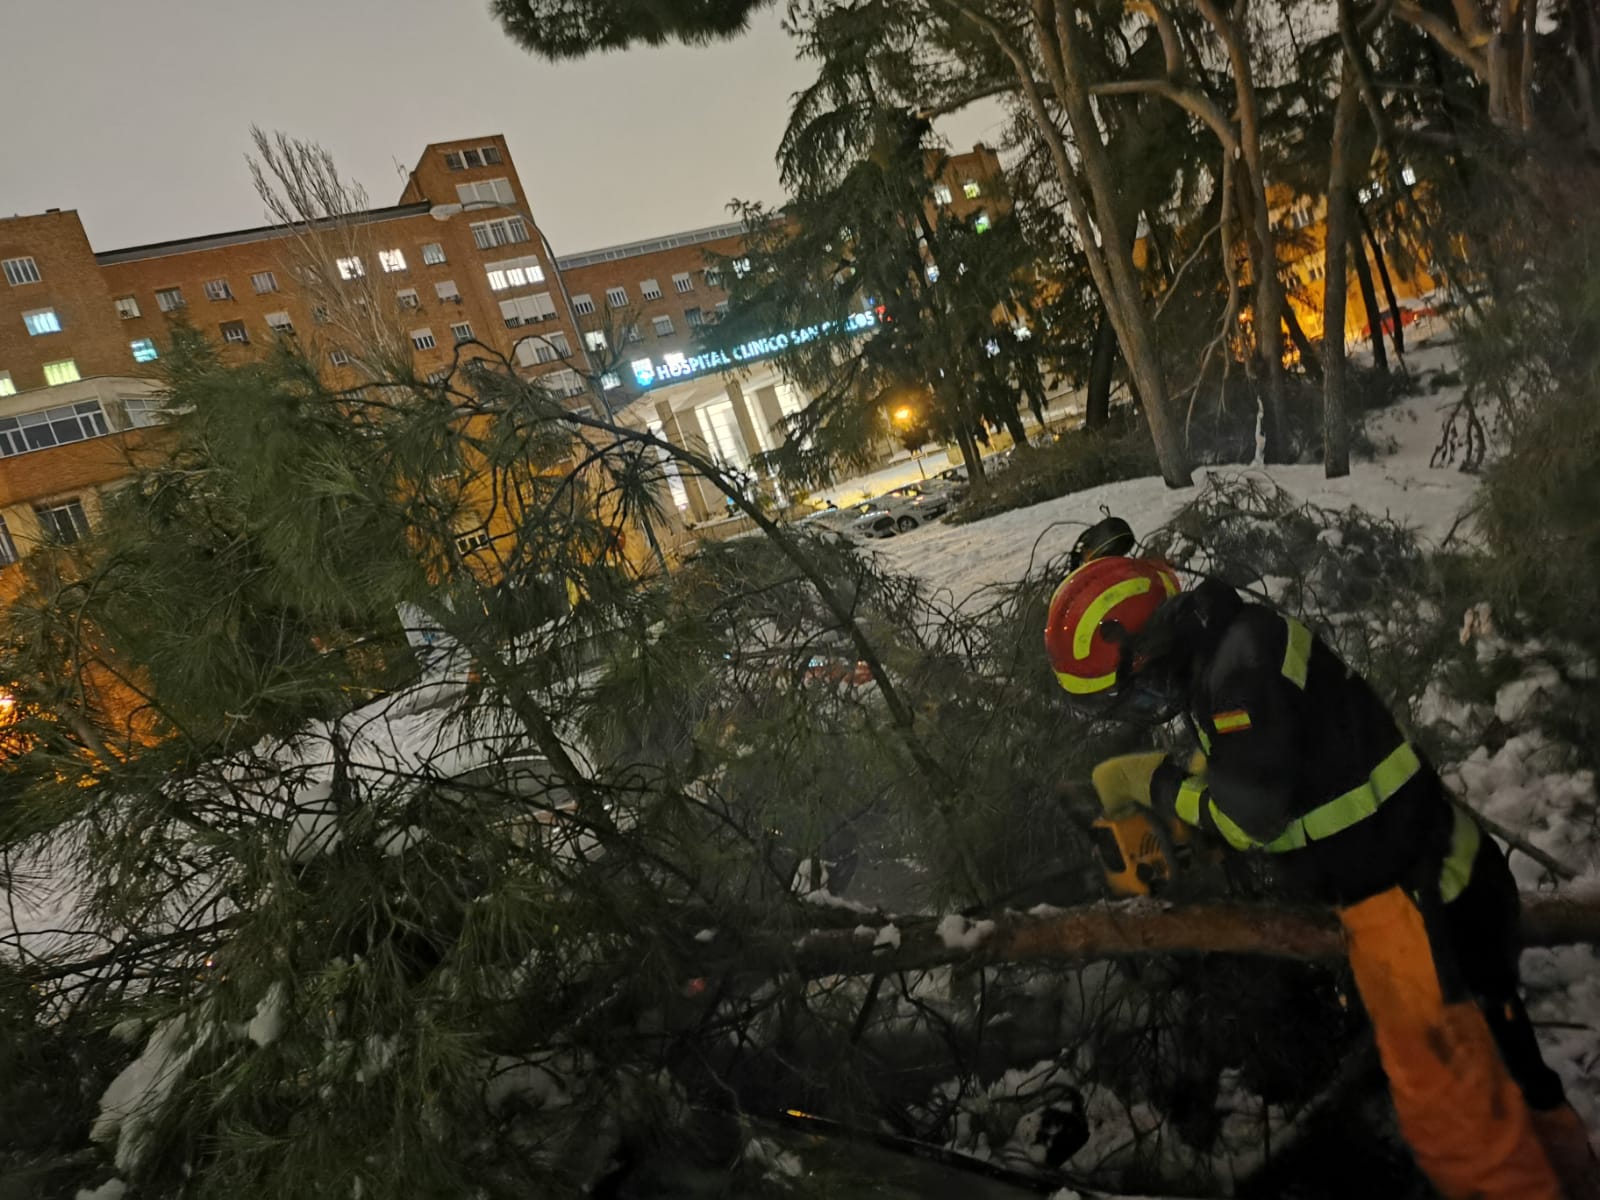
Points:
[[1398, 334], [1336, 284], [1057, 42], [969, 455], [1011, 418], [1297, 335], [1369, 297], [1102, 365]]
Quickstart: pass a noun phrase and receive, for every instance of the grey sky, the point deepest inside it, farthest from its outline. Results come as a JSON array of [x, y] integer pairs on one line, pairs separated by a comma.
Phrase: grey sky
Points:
[[138, 112]]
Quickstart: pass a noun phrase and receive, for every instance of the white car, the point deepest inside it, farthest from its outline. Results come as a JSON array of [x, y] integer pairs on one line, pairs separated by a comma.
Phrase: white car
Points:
[[902, 510]]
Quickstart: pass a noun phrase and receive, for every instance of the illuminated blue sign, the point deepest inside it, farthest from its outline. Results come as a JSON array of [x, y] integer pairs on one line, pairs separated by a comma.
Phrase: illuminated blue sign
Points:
[[672, 367]]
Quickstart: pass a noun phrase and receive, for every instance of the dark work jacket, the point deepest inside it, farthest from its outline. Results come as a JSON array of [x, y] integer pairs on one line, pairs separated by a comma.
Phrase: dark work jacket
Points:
[[1284, 750]]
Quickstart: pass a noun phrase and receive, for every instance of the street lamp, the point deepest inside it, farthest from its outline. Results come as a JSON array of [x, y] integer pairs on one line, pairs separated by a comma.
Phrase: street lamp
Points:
[[905, 416]]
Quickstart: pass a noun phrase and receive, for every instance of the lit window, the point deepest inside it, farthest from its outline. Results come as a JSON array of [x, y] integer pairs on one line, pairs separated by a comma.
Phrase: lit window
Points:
[[583, 304], [218, 289], [143, 411], [264, 282], [235, 332], [62, 523], [741, 267], [169, 299], [407, 298], [350, 268], [42, 320], [127, 307], [942, 193], [280, 323], [662, 326], [617, 297], [992, 347], [631, 334], [7, 388], [932, 271], [713, 277], [649, 289], [461, 331], [339, 358], [64, 371], [971, 190], [683, 281], [514, 272], [391, 260], [1407, 176], [8, 548], [487, 191], [595, 339], [52, 427], [422, 339], [144, 350], [610, 380], [695, 317], [505, 231], [432, 254], [980, 223], [20, 270], [447, 291]]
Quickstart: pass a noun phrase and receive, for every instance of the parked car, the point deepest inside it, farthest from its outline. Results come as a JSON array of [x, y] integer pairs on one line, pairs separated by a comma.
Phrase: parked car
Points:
[[902, 510]]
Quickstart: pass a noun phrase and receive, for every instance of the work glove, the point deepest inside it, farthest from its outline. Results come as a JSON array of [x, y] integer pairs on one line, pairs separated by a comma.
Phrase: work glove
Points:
[[1123, 783]]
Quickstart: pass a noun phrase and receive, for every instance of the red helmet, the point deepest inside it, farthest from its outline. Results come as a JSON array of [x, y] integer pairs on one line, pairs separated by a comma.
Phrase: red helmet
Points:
[[1085, 652]]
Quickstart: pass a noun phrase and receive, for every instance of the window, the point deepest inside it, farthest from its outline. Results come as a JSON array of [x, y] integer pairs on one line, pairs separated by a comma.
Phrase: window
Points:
[[407, 298], [169, 299], [350, 268], [280, 323], [971, 190], [534, 350], [473, 157], [980, 223], [439, 376], [595, 340], [610, 380], [218, 289], [473, 539], [127, 307], [143, 411], [264, 282], [525, 310], [41, 321], [422, 339], [491, 156], [583, 304], [514, 272], [487, 191], [721, 309], [461, 331], [565, 381], [617, 297], [8, 548], [942, 193], [630, 334], [21, 270], [63, 523], [391, 260], [7, 388], [695, 317], [447, 291], [432, 254], [741, 267], [649, 289], [683, 281], [64, 371], [932, 272], [319, 315], [52, 427], [713, 277], [452, 159], [144, 350], [662, 326], [235, 333], [339, 358], [506, 231]]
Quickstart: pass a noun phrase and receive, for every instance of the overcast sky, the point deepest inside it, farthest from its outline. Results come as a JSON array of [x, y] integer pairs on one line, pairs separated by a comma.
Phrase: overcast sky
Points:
[[137, 112]]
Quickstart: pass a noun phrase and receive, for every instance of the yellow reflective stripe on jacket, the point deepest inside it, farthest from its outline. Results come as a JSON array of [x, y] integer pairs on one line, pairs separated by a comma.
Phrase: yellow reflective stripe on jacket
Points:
[[1457, 871], [1297, 654], [1187, 804], [1236, 837], [1360, 802], [1205, 738]]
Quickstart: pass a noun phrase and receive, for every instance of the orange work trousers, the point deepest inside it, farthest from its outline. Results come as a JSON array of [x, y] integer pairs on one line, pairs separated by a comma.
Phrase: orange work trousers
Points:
[[1462, 1114]]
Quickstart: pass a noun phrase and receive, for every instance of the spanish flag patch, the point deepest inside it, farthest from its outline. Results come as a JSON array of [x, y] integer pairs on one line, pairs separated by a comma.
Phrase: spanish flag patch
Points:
[[1233, 721]]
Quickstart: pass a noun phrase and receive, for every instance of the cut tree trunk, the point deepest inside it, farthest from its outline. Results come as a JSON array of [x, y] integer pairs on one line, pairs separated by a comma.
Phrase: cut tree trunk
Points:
[[1124, 930], [1369, 297], [1102, 364]]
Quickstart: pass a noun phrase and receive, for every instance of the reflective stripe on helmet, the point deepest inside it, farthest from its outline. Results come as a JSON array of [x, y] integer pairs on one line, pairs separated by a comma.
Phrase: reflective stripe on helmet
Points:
[[1083, 685], [1083, 636], [1297, 654]]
